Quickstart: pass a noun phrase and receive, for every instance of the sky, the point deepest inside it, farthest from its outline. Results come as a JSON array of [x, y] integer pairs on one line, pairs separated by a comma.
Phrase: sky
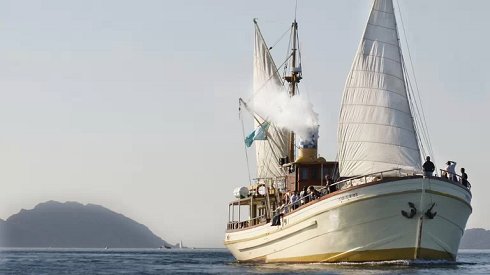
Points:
[[133, 105]]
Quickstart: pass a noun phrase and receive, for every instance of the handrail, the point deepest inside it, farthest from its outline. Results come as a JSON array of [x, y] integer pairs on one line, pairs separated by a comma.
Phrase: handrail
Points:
[[339, 186], [454, 177], [325, 190], [269, 178], [244, 224], [322, 190], [348, 182], [298, 202]]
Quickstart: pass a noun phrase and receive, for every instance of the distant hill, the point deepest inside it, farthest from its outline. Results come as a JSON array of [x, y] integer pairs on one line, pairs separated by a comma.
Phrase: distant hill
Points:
[[71, 224], [475, 238]]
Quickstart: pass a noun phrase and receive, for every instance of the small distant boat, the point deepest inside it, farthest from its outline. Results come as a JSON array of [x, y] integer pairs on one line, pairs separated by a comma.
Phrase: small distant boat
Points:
[[378, 205]]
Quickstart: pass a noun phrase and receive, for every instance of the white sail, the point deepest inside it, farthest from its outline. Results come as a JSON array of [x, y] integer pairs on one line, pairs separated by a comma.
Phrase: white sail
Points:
[[266, 77], [376, 128]]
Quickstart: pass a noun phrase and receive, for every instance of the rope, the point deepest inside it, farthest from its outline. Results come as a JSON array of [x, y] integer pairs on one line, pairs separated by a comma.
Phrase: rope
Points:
[[289, 53], [267, 81], [280, 38], [244, 145], [420, 111]]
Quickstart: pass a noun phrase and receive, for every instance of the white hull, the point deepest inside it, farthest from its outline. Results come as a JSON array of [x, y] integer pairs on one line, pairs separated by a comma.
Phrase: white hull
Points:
[[364, 224]]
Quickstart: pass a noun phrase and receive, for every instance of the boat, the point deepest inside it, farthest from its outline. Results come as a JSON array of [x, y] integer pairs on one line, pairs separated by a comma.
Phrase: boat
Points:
[[372, 202]]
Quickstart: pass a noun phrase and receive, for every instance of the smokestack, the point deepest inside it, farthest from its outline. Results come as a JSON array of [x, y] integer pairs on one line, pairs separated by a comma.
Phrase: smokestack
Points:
[[308, 147]]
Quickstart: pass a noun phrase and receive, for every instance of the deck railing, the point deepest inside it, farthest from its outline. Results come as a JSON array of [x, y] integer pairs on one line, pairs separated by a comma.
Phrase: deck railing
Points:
[[341, 185], [243, 224], [354, 181], [455, 177]]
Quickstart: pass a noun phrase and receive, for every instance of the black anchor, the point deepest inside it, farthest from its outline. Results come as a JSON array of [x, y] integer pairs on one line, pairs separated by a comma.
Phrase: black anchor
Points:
[[412, 213], [429, 214]]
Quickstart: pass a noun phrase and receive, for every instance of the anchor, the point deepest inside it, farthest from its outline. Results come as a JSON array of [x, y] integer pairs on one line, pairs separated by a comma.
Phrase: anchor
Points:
[[429, 214], [412, 213]]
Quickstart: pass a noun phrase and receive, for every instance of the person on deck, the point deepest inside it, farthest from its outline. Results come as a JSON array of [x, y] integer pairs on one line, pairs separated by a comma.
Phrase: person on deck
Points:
[[428, 167], [314, 194], [451, 170], [295, 200], [464, 178], [279, 213], [304, 196], [329, 183], [287, 197]]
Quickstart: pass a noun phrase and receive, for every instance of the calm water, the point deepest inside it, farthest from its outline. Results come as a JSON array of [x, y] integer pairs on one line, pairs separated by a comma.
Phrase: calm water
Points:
[[64, 261]]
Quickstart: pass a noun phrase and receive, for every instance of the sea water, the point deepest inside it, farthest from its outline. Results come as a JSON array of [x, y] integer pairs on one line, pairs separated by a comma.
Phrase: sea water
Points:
[[211, 261]]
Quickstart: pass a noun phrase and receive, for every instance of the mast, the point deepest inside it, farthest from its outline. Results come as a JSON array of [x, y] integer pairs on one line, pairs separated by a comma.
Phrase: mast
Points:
[[293, 80]]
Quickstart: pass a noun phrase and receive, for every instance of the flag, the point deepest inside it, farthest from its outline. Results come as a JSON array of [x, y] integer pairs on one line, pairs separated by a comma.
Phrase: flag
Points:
[[259, 134]]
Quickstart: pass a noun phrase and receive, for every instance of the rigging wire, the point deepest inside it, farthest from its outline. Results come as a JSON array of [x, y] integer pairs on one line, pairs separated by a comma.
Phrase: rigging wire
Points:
[[269, 79], [280, 38], [418, 101], [276, 72], [289, 54], [414, 108], [244, 145], [270, 141]]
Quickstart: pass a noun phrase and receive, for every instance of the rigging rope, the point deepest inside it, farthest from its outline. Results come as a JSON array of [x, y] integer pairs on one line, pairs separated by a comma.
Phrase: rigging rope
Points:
[[289, 54], [267, 81], [244, 146], [280, 38], [424, 131]]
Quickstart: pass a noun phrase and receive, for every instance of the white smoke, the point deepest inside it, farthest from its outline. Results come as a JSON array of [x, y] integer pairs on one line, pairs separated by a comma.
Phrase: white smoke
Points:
[[293, 113]]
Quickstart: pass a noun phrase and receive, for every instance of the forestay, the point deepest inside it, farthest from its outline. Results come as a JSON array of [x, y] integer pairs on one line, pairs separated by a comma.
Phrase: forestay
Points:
[[265, 77], [376, 128]]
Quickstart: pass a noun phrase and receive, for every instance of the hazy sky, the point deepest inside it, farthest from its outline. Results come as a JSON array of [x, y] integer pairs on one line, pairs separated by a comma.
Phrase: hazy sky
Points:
[[134, 104]]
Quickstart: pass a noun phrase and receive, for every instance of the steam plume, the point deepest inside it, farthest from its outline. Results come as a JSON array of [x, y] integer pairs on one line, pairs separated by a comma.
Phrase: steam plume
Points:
[[293, 113]]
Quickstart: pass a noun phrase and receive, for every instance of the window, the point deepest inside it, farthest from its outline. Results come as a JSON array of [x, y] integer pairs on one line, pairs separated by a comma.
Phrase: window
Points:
[[316, 172], [303, 173]]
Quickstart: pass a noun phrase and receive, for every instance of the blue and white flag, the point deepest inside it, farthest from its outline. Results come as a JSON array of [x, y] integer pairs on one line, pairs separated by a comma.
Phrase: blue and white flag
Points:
[[259, 134]]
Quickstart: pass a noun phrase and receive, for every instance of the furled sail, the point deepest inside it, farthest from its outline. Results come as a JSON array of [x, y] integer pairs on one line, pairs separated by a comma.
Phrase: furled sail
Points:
[[376, 128], [265, 77]]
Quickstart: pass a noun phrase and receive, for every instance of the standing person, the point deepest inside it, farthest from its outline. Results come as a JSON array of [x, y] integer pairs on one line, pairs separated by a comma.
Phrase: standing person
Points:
[[279, 213], [314, 194], [329, 183], [295, 200], [451, 170], [287, 197], [304, 196], [428, 167], [464, 178]]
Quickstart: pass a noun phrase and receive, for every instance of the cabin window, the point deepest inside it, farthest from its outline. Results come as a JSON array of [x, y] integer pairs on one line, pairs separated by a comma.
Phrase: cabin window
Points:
[[315, 173], [303, 173]]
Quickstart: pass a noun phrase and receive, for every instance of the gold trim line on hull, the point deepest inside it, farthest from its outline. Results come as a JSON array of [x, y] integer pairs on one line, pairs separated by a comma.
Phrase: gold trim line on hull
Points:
[[365, 256]]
